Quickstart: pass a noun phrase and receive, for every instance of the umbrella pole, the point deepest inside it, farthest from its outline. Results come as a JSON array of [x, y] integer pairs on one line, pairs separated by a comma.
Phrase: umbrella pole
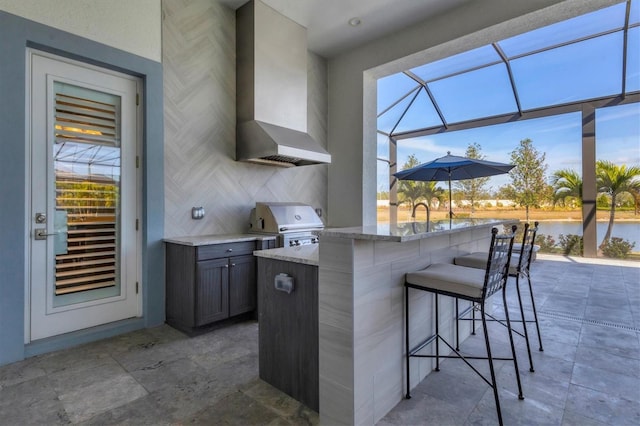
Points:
[[450, 205]]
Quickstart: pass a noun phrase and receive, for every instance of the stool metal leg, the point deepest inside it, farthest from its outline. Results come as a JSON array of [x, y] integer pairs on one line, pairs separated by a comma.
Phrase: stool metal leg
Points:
[[524, 323], [457, 326], [513, 347], [406, 339], [494, 385], [473, 319], [437, 334], [535, 313]]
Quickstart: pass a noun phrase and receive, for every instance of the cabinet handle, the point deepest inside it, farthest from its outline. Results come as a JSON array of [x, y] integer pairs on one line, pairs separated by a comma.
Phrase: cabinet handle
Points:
[[226, 266], [233, 264], [229, 250]]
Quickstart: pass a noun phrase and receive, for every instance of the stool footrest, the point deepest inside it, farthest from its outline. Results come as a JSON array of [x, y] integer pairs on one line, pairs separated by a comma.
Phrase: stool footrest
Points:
[[458, 355], [422, 344], [463, 356]]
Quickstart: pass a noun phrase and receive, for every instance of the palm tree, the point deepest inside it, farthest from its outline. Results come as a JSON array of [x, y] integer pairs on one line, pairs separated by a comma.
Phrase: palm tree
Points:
[[614, 180], [567, 184], [415, 192], [434, 193], [410, 192]]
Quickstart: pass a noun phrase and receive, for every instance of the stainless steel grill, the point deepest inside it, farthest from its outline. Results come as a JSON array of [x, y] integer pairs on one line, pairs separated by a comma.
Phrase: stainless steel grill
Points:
[[293, 224]]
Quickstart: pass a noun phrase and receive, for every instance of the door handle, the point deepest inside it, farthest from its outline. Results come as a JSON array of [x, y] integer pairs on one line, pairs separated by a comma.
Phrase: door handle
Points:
[[41, 234]]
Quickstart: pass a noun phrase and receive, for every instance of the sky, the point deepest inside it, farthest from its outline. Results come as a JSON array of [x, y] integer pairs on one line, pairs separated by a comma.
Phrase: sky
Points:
[[559, 137], [584, 70]]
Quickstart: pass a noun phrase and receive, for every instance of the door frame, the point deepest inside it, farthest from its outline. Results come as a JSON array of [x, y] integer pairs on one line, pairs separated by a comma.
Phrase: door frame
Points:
[[139, 132]]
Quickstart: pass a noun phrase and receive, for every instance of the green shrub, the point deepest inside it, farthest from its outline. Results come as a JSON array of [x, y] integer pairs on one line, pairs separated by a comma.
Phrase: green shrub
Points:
[[617, 247], [546, 242], [571, 244], [602, 201]]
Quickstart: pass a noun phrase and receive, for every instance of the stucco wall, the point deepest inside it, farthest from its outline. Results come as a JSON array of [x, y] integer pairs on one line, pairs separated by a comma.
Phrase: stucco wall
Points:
[[352, 85], [133, 26]]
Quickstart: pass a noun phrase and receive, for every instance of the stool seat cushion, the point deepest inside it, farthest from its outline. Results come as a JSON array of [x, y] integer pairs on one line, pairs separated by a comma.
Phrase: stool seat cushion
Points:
[[479, 260], [450, 278]]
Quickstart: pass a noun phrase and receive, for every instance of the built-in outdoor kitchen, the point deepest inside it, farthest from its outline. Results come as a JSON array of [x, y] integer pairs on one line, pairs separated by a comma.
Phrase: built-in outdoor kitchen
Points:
[[287, 285], [269, 271], [269, 274], [213, 278], [256, 271], [328, 301], [329, 307]]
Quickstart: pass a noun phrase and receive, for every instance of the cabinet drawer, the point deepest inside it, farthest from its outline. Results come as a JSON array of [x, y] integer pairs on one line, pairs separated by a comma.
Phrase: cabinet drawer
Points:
[[214, 251]]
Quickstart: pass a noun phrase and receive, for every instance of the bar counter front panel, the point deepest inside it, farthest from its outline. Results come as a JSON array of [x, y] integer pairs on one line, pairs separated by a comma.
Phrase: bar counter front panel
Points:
[[361, 310]]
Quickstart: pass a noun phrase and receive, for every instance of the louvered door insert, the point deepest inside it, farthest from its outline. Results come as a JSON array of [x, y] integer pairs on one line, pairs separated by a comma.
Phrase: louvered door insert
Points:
[[87, 171]]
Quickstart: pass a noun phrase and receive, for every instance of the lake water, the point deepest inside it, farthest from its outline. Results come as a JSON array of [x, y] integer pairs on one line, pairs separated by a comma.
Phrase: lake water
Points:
[[629, 231]]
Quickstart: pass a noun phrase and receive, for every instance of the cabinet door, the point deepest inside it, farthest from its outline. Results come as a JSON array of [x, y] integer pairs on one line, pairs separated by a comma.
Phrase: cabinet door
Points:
[[242, 284], [212, 291]]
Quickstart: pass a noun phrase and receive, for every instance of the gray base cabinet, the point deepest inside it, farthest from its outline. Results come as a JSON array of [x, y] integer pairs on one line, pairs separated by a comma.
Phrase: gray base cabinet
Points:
[[207, 284], [212, 291], [288, 335], [242, 288]]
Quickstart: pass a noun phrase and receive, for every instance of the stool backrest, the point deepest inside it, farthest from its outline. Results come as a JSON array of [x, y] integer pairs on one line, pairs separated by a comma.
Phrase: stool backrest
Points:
[[497, 271], [526, 252]]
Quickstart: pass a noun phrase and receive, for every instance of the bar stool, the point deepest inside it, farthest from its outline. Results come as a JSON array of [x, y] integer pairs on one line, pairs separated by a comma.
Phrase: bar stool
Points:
[[518, 267], [469, 284]]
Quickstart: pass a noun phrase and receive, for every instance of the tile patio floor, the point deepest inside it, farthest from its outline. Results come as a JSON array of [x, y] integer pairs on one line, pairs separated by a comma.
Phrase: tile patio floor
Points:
[[588, 374]]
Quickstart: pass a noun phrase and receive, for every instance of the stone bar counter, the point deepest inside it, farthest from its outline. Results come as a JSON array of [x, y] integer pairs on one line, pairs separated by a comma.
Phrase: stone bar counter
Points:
[[361, 310]]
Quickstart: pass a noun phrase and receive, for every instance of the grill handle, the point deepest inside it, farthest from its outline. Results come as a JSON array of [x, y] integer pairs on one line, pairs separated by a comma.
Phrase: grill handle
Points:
[[305, 227]]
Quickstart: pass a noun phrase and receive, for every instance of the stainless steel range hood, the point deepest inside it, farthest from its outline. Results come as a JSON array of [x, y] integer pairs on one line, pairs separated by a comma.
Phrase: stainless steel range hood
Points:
[[271, 90]]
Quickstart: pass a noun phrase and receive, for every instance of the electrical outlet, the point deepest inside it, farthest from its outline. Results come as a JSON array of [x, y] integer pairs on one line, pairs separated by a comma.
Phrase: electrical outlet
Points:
[[197, 212]]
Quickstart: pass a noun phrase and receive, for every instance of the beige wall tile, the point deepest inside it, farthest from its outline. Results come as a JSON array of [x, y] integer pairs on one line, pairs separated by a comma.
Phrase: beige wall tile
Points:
[[336, 403], [337, 254], [335, 355], [335, 298], [387, 251], [200, 118]]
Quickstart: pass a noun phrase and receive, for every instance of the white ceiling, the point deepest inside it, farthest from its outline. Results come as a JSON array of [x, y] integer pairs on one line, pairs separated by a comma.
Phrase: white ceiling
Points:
[[327, 21]]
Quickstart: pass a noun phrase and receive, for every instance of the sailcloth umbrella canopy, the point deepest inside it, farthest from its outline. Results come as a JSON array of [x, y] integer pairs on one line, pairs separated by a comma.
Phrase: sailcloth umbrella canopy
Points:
[[452, 167]]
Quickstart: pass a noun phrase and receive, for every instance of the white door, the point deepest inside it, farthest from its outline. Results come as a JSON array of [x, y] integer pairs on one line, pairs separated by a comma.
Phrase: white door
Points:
[[84, 245]]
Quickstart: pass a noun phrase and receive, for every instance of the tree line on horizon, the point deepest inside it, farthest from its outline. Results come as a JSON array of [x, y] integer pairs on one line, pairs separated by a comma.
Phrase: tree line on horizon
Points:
[[529, 186]]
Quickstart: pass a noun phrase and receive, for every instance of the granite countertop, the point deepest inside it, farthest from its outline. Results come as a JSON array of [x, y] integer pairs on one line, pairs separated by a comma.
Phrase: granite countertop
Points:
[[412, 230], [307, 254], [204, 240]]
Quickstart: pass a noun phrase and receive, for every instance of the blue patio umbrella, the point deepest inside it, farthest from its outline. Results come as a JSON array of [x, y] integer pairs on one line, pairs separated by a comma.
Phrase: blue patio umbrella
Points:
[[452, 167]]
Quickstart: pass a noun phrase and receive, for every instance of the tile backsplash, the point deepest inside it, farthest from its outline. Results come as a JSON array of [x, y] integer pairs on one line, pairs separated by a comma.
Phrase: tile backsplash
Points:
[[199, 114]]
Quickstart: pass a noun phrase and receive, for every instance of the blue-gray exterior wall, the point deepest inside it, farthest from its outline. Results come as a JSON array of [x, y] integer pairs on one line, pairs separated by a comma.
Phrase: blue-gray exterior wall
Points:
[[16, 35]]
